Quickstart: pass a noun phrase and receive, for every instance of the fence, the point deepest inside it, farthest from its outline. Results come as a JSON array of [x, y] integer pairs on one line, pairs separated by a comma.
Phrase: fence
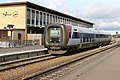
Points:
[[18, 43]]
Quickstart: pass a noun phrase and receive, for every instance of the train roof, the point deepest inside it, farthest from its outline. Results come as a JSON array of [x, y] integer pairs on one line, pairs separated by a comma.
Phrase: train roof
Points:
[[85, 30], [103, 32], [90, 30]]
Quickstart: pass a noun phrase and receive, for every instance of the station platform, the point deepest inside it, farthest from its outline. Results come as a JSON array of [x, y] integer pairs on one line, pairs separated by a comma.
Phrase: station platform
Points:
[[20, 49], [10, 54], [105, 68]]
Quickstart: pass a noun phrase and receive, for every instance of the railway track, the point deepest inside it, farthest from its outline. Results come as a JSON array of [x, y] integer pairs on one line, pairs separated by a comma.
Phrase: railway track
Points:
[[7, 67], [59, 70], [27, 69], [22, 62]]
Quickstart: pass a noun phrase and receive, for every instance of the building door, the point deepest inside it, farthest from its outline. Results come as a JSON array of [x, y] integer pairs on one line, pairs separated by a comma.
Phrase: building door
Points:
[[19, 36]]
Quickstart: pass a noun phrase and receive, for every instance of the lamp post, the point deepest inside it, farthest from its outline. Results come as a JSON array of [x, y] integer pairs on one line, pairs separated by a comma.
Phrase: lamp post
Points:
[[10, 27]]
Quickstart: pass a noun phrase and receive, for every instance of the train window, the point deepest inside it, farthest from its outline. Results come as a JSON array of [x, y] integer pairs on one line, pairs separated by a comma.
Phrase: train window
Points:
[[55, 35], [83, 39], [90, 39], [103, 36], [80, 37], [87, 39], [75, 29], [93, 39], [97, 35], [76, 35], [107, 36], [69, 34]]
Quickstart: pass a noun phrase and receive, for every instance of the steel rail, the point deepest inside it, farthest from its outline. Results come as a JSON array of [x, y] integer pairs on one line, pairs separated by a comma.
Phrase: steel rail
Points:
[[18, 63], [68, 62]]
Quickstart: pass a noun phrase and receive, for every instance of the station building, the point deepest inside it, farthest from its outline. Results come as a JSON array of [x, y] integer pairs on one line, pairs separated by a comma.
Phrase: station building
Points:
[[26, 21]]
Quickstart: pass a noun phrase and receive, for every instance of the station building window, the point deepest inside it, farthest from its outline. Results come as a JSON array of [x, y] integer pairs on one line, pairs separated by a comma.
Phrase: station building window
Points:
[[28, 16], [33, 30], [28, 30], [44, 18], [56, 20], [65, 21], [41, 18], [48, 18], [61, 20], [53, 19], [37, 18], [33, 17]]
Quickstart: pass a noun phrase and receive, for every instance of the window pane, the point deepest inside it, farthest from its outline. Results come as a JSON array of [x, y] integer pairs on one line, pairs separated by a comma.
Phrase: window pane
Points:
[[33, 17], [40, 18], [56, 19], [50, 19], [28, 31], [76, 35], [53, 19], [28, 16], [37, 17], [47, 18], [44, 18]]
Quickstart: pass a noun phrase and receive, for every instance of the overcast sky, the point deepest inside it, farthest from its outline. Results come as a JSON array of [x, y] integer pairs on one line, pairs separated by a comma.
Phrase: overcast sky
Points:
[[104, 13]]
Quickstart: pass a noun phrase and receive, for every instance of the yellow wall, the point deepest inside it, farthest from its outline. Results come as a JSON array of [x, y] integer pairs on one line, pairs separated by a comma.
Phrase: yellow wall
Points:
[[3, 35], [19, 21]]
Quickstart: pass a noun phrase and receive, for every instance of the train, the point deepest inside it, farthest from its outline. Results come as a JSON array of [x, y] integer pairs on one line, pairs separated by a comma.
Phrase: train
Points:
[[61, 38]]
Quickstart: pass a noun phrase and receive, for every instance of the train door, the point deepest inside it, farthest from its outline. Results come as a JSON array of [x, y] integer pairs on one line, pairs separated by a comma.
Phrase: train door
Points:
[[81, 39], [19, 36]]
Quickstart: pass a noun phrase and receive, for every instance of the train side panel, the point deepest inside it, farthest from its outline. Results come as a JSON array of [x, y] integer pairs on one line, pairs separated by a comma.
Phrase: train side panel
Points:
[[60, 38]]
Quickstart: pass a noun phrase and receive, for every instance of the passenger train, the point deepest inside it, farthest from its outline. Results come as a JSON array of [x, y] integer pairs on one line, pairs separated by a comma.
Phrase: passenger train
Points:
[[60, 38]]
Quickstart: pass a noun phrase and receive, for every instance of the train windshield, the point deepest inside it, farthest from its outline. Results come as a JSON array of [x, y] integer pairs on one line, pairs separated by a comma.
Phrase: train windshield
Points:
[[55, 35]]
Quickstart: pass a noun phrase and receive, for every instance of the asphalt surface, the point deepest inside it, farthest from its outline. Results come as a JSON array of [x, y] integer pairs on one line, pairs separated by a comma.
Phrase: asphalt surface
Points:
[[105, 68]]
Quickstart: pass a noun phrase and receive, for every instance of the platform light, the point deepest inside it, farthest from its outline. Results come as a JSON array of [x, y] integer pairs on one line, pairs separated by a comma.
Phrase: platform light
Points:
[[10, 26]]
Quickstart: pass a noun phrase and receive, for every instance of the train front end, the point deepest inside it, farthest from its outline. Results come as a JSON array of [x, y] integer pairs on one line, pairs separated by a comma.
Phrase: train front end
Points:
[[54, 38]]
